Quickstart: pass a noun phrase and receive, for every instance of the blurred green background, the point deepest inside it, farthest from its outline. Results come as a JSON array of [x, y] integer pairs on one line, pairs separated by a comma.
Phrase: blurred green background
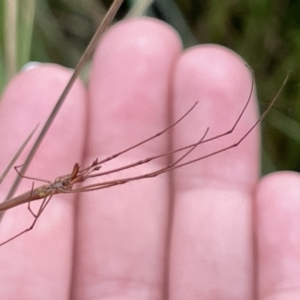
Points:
[[265, 33]]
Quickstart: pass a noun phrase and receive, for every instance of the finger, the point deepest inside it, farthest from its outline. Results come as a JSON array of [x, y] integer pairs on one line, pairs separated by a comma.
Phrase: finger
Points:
[[211, 246], [278, 236], [40, 261], [121, 230]]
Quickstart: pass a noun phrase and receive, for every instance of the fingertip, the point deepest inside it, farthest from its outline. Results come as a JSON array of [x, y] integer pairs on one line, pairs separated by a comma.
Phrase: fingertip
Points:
[[279, 185], [130, 78], [146, 36], [218, 64], [219, 80], [277, 198], [27, 101], [278, 233]]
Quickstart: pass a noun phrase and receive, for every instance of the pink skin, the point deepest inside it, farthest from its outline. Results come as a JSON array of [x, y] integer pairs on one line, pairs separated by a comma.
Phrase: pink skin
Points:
[[113, 243]]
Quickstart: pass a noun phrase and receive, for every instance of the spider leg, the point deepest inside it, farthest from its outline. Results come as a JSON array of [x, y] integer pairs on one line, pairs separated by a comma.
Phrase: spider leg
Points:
[[29, 177], [42, 207]]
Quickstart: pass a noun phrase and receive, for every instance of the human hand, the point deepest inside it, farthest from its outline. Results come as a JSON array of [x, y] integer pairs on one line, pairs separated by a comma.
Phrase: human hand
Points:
[[212, 230]]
